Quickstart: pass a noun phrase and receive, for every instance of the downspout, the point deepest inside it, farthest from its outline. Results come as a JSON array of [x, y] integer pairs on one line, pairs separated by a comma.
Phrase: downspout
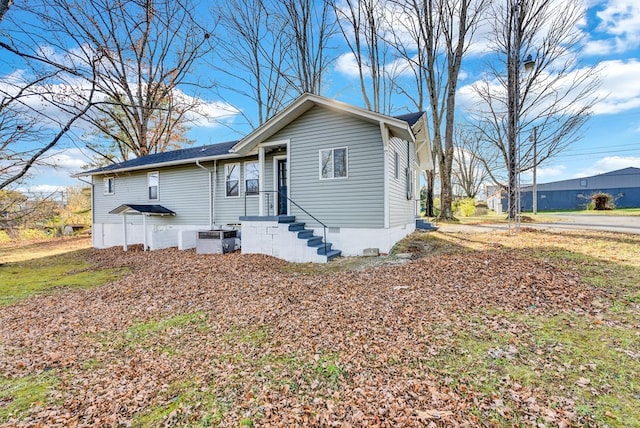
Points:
[[210, 192]]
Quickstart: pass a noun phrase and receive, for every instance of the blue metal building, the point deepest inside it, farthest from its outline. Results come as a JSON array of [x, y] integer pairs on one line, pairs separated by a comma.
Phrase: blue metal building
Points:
[[623, 185]]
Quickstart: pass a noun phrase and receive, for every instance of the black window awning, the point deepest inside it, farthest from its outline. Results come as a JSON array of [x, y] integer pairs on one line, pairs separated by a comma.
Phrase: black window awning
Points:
[[155, 210]]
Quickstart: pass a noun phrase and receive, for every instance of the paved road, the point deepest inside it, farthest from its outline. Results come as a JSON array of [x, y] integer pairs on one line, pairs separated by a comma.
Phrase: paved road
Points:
[[625, 224]]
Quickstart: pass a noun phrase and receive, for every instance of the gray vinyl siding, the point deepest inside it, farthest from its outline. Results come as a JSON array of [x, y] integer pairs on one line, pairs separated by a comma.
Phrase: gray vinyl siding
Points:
[[183, 190], [401, 209], [355, 201], [229, 209]]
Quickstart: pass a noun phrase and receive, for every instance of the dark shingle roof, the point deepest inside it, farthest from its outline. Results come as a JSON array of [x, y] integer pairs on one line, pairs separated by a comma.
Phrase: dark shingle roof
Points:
[[166, 157], [143, 209], [211, 150], [410, 118]]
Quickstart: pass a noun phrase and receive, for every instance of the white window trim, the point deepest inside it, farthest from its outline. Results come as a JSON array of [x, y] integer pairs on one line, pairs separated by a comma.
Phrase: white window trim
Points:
[[244, 170], [346, 148], [107, 193], [237, 164], [158, 186]]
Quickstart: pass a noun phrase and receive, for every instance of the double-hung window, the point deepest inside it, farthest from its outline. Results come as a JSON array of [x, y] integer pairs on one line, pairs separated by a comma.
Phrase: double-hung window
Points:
[[153, 185], [232, 179], [333, 163], [109, 185], [251, 178]]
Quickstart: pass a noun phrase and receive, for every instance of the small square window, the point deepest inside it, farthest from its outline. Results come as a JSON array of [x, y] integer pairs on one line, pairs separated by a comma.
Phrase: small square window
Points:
[[583, 182], [153, 186], [109, 185], [333, 163]]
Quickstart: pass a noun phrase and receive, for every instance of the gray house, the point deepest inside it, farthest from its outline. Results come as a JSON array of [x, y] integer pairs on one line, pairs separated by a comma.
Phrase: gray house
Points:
[[622, 184], [319, 179]]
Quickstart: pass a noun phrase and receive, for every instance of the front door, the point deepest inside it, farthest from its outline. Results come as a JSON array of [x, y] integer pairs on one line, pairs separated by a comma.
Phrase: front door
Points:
[[282, 187]]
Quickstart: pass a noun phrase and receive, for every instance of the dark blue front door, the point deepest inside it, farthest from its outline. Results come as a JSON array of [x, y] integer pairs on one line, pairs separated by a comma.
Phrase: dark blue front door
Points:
[[282, 187]]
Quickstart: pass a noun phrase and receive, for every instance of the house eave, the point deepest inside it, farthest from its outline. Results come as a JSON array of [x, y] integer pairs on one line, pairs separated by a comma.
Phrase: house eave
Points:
[[156, 165], [304, 103]]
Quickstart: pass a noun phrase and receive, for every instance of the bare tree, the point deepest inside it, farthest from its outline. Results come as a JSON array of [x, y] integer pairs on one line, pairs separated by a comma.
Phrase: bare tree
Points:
[[4, 7], [406, 38], [309, 26], [361, 23], [468, 171], [34, 116], [137, 54], [254, 56], [555, 97], [443, 30]]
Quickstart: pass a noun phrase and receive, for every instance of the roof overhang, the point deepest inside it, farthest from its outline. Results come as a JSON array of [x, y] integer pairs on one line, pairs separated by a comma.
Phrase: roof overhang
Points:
[[137, 209], [423, 144], [398, 128], [155, 165]]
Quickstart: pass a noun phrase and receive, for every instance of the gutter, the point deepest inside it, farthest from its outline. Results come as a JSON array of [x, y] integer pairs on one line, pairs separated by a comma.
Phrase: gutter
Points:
[[156, 165]]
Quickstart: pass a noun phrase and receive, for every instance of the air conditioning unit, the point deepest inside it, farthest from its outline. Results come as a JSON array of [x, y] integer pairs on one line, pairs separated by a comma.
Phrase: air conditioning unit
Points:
[[216, 241]]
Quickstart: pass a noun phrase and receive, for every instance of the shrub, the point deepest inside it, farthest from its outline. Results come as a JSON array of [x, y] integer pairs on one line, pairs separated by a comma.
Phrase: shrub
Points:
[[465, 207], [32, 234], [602, 201], [4, 237]]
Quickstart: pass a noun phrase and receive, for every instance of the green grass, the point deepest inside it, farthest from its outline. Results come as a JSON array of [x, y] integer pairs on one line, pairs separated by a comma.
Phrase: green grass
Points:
[[22, 279], [565, 357], [590, 360], [174, 408], [19, 395], [159, 335]]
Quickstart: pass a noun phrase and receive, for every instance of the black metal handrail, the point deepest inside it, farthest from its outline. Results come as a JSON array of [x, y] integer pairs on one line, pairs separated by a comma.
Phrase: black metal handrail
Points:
[[277, 200]]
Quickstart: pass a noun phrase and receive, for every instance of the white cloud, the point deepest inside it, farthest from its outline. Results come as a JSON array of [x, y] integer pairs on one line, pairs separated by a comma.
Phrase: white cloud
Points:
[[619, 91], [620, 20], [545, 174], [44, 189], [620, 88], [57, 168], [346, 64], [609, 163]]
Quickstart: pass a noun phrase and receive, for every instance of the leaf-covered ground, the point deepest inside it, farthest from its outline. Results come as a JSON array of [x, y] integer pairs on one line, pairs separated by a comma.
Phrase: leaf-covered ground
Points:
[[459, 338]]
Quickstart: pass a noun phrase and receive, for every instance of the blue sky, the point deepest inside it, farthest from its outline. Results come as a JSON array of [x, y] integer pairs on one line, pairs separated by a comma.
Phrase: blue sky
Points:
[[611, 140]]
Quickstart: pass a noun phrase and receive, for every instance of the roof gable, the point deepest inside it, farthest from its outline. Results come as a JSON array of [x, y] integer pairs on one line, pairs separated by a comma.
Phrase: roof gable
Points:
[[398, 126]]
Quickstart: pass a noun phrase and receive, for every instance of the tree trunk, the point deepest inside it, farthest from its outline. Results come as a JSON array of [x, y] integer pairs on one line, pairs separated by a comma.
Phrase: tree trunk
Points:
[[429, 202], [446, 194]]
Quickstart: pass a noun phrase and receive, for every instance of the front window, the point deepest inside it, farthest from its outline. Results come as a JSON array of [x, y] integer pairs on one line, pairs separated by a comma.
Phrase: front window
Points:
[[333, 163], [153, 185], [232, 179], [251, 178], [109, 186]]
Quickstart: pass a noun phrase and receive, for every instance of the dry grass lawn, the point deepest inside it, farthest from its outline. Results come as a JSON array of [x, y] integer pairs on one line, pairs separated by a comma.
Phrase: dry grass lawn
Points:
[[537, 329]]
